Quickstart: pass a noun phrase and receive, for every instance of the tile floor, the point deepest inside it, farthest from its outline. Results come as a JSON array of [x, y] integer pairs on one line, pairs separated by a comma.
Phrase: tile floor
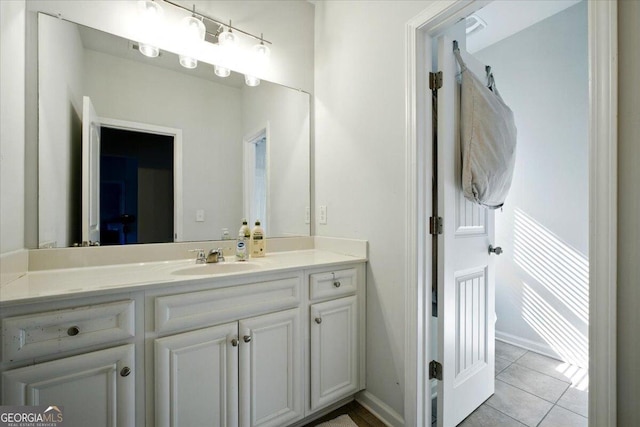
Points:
[[533, 390]]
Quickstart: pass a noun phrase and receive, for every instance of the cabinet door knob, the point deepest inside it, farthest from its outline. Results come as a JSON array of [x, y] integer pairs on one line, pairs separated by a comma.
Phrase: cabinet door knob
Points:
[[336, 283], [73, 331], [124, 372], [318, 320], [234, 342], [247, 338]]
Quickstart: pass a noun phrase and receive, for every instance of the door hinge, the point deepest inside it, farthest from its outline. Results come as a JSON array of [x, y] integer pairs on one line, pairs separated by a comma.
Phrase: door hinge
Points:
[[435, 225], [435, 370], [435, 80]]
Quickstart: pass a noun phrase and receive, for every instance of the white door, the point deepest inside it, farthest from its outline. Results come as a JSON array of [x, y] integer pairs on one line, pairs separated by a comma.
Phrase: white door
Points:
[[271, 370], [334, 350], [96, 389], [90, 172], [196, 375], [465, 269]]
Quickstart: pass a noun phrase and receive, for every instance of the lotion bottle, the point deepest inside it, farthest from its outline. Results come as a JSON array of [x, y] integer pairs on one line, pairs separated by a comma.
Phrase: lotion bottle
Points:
[[258, 242], [241, 247]]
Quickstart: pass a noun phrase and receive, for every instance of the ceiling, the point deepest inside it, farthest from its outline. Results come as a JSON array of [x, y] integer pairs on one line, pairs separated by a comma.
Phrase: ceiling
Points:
[[507, 17]]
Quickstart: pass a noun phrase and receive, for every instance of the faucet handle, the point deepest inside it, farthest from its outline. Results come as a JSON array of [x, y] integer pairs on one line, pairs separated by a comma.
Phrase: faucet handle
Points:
[[201, 257]]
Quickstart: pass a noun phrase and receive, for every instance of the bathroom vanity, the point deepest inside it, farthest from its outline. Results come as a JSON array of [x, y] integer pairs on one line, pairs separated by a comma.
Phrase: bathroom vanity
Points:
[[268, 342]]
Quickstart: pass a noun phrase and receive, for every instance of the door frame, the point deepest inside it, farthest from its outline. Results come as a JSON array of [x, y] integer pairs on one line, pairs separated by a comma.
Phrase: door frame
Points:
[[603, 104], [177, 161], [248, 159]]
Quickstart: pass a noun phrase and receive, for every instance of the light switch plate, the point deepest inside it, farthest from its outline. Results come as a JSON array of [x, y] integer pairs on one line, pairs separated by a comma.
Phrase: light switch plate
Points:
[[323, 215], [200, 215]]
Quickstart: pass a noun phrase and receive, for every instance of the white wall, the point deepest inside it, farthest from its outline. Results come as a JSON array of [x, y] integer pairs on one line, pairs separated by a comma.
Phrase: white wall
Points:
[[542, 278], [12, 123], [210, 117], [628, 213], [360, 163], [287, 113], [60, 89]]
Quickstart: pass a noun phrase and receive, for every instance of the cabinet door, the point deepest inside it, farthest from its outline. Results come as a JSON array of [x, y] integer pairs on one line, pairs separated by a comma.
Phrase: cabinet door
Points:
[[95, 389], [271, 369], [334, 350], [196, 376]]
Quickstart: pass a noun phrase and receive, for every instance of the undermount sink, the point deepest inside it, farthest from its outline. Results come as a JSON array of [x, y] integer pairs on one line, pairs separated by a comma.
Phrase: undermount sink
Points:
[[216, 268]]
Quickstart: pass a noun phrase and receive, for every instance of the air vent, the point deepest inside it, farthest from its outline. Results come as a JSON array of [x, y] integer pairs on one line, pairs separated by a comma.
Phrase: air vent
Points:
[[474, 24]]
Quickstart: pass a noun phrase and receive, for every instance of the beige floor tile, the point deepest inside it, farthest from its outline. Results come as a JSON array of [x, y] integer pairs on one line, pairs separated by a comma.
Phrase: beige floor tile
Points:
[[486, 416], [508, 351], [518, 404], [501, 364], [534, 382], [576, 401], [554, 368], [560, 417]]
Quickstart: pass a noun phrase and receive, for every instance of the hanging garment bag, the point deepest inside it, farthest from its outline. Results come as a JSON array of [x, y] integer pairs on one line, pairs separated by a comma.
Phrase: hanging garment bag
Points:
[[488, 140]]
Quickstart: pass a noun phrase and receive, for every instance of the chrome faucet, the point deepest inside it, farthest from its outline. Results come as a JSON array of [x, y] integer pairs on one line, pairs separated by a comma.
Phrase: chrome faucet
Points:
[[215, 255], [201, 258]]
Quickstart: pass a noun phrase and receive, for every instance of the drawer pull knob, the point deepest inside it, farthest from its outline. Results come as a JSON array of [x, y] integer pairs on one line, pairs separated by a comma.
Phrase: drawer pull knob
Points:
[[234, 342], [318, 320], [124, 372], [336, 283], [73, 331], [247, 338]]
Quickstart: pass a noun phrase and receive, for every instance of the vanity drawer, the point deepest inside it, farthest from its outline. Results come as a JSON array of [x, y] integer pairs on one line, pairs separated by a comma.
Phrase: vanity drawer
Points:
[[333, 284], [34, 335], [217, 306]]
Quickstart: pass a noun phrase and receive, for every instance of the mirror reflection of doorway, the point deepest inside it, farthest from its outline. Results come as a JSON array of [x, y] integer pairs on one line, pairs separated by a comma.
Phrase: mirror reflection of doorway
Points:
[[136, 187]]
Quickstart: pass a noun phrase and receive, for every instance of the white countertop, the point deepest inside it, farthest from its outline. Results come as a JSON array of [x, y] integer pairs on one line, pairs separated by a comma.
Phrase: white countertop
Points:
[[47, 285]]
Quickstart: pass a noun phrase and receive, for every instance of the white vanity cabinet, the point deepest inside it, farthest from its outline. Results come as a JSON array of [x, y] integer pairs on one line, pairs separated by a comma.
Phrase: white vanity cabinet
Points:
[[336, 324], [80, 355], [94, 389], [246, 372]]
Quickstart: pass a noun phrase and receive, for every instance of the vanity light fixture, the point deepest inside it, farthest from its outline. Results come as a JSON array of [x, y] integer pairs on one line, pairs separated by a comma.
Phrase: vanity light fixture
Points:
[[192, 33], [151, 14]]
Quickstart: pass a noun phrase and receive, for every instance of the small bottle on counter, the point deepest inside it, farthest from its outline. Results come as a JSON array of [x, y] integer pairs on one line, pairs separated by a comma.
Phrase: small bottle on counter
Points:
[[241, 247], [258, 242]]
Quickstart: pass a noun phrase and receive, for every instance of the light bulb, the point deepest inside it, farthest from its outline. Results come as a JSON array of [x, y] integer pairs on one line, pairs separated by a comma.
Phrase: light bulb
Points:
[[151, 14], [188, 62], [221, 71], [261, 52], [251, 80], [228, 40], [148, 50], [192, 32]]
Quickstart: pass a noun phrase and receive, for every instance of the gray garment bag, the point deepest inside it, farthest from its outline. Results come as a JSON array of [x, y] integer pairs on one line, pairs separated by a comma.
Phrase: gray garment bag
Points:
[[488, 140]]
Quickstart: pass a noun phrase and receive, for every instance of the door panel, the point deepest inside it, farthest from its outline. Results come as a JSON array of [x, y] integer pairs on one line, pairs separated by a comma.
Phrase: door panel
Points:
[[465, 269], [271, 369], [196, 376], [334, 350], [89, 387]]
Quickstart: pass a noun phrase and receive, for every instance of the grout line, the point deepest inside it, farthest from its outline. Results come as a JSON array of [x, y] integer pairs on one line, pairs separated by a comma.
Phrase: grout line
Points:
[[528, 392], [545, 415], [505, 414], [568, 381]]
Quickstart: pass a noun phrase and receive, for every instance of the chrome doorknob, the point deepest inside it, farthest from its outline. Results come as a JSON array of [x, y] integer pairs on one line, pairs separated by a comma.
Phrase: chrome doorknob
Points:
[[246, 338], [497, 250]]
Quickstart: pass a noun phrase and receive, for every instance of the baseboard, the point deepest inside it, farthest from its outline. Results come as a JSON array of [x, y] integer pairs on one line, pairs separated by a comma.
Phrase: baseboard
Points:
[[534, 346], [380, 409]]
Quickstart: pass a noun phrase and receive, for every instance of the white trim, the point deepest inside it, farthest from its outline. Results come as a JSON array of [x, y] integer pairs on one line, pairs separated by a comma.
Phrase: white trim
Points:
[[381, 410], [177, 162], [248, 160], [534, 346], [602, 208]]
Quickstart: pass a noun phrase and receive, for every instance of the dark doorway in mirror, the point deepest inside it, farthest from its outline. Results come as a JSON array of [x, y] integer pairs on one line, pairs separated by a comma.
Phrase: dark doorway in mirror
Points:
[[136, 187]]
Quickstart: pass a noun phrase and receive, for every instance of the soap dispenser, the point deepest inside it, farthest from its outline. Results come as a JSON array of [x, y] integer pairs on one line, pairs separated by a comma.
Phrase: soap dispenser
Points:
[[258, 242]]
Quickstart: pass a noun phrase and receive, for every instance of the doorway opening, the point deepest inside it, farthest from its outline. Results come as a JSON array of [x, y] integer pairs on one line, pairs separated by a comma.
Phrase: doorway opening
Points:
[[256, 177], [601, 191], [136, 187]]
